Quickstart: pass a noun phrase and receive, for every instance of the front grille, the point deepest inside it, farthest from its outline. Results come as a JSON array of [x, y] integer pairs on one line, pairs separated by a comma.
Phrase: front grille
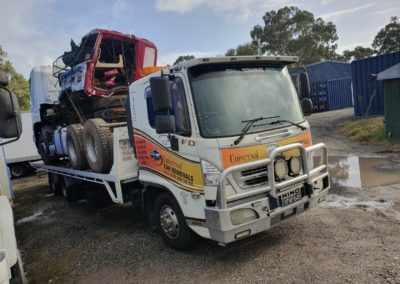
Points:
[[253, 177], [254, 171], [256, 181]]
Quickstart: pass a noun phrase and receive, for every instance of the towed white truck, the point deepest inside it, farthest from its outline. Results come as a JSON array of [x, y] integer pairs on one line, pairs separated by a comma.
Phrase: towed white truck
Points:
[[212, 147], [10, 129], [21, 153]]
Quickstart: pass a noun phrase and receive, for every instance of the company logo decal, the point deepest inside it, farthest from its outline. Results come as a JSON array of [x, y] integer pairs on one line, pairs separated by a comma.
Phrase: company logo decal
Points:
[[240, 155], [154, 157]]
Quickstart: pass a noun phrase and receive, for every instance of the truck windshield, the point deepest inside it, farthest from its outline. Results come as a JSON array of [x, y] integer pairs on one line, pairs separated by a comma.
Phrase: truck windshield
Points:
[[226, 96]]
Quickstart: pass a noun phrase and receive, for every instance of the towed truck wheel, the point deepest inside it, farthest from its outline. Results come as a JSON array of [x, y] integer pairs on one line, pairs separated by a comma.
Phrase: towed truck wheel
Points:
[[75, 146], [172, 224], [18, 170], [98, 145]]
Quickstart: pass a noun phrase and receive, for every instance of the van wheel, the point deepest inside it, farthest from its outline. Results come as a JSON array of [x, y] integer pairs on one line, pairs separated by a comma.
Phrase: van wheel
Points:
[[172, 225], [75, 146], [18, 170], [98, 145], [70, 193], [54, 184]]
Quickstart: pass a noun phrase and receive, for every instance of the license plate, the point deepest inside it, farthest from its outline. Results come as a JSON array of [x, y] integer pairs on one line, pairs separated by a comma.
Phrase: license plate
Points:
[[290, 196]]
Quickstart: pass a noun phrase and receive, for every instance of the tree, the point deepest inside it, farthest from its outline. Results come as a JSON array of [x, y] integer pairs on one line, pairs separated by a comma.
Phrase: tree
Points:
[[358, 52], [291, 31], [243, 49], [183, 58], [388, 38], [17, 83]]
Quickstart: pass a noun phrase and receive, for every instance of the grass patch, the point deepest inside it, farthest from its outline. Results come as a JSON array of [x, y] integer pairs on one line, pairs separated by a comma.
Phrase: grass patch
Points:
[[369, 131]]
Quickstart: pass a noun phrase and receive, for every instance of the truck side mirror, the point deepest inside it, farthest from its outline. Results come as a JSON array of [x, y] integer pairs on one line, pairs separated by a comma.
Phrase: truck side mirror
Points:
[[162, 102], [160, 94], [304, 86], [165, 124], [307, 106], [306, 103], [10, 115]]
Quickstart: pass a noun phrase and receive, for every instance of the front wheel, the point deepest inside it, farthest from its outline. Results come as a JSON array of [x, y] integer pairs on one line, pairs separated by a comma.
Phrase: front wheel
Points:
[[172, 224]]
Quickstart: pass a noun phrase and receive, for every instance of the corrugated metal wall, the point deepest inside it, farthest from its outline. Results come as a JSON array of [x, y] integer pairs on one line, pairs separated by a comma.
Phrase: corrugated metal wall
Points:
[[363, 88], [332, 94], [392, 107], [340, 94]]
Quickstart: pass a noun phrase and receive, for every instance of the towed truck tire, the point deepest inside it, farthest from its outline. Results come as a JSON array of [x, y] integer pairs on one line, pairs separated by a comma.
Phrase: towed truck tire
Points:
[[54, 183], [75, 146], [18, 170], [98, 145]]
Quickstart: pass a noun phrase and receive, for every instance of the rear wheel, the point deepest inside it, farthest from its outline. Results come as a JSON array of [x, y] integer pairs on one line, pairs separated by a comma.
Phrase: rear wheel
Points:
[[75, 146], [18, 170], [70, 193], [172, 224], [54, 183], [98, 145]]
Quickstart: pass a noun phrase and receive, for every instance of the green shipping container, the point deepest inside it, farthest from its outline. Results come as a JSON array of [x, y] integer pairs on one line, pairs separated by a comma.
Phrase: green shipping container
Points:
[[391, 90]]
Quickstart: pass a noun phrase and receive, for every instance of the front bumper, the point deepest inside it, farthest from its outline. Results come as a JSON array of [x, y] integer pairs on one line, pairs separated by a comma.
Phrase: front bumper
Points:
[[266, 201]]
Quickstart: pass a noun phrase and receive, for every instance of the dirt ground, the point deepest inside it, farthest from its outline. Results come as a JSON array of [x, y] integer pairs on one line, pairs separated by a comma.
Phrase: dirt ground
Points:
[[353, 238]]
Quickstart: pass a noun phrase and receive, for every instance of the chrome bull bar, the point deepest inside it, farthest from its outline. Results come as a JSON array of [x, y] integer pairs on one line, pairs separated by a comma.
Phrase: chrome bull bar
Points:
[[307, 176]]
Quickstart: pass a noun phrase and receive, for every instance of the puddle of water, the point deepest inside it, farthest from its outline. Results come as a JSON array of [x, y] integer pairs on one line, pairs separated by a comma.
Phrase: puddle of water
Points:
[[352, 171]]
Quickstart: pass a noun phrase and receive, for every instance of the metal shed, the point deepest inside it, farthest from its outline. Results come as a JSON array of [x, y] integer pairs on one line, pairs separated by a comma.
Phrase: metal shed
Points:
[[330, 83], [391, 90], [363, 87]]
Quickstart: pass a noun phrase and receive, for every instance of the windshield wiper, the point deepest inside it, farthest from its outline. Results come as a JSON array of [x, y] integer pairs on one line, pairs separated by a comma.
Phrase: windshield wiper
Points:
[[249, 124], [282, 121]]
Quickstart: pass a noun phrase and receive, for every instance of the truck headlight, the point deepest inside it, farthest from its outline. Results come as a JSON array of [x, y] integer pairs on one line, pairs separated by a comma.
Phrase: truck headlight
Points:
[[243, 215], [281, 168], [295, 165], [210, 173]]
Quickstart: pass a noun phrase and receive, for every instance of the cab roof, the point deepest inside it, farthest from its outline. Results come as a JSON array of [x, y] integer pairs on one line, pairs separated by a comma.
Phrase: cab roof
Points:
[[229, 59]]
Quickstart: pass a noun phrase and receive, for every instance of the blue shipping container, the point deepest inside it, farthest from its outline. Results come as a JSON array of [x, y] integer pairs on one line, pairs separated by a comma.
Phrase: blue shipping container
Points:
[[332, 94], [340, 94], [324, 71], [363, 87]]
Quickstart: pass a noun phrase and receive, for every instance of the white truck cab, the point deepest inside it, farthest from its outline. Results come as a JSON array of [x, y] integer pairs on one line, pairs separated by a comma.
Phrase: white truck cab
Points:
[[227, 140]]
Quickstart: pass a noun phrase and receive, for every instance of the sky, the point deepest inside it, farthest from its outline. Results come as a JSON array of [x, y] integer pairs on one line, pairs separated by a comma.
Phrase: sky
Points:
[[37, 32]]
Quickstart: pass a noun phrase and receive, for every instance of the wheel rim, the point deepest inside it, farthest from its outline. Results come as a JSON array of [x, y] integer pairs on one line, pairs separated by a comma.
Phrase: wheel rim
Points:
[[16, 171], [169, 222], [91, 149], [71, 150]]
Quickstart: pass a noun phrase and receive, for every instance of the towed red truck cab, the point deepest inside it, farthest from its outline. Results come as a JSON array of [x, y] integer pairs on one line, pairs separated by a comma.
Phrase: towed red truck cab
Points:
[[104, 63]]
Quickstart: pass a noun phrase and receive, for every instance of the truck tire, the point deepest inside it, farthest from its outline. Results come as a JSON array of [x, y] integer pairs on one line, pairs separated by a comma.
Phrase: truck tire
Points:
[[171, 223], [54, 183], [75, 146], [114, 101], [70, 193], [98, 145], [18, 170]]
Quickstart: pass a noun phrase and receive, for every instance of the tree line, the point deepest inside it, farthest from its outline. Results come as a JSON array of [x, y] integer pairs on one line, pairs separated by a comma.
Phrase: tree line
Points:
[[291, 31]]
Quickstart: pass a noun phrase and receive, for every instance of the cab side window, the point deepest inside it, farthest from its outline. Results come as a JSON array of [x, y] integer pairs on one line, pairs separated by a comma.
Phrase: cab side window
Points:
[[179, 108]]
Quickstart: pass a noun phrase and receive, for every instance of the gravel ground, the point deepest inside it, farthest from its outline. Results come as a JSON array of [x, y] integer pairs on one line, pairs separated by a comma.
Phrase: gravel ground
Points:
[[353, 238]]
